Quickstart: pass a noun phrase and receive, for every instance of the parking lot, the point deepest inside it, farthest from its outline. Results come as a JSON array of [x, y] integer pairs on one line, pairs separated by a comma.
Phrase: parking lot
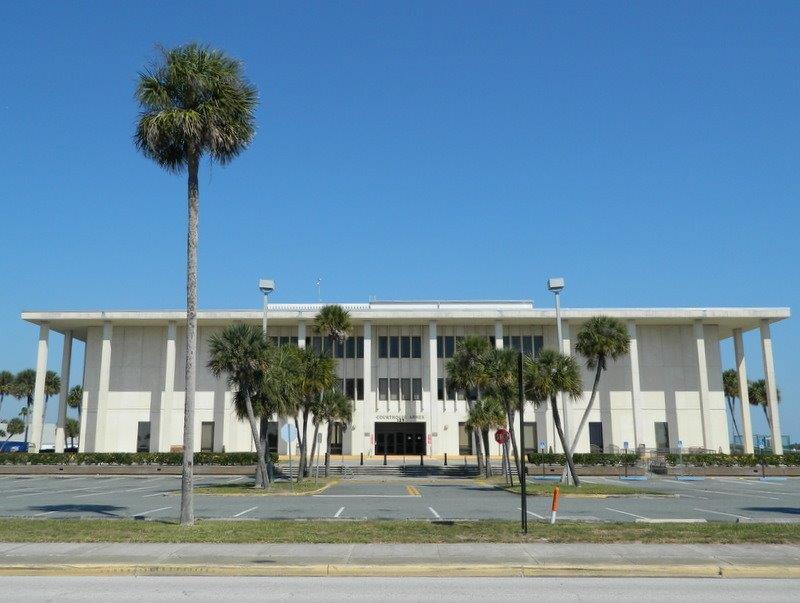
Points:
[[156, 497]]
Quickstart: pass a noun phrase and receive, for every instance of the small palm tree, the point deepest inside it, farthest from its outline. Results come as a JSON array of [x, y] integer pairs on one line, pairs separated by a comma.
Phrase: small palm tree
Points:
[[317, 375], [331, 408], [546, 376], [14, 427], [52, 385], [730, 387], [486, 414], [757, 392], [75, 398], [467, 371], [239, 352], [72, 429], [502, 369], [23, 388], [194, 102], [6, 387], [600, 338]]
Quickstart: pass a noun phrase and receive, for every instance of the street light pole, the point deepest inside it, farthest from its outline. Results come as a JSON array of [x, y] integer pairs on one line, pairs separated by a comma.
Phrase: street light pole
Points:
[[556, 286], [267, 286], [522, 470]]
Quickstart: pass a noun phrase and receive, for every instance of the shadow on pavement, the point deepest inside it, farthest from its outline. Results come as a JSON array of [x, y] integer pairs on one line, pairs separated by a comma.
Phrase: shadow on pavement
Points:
[[108, 510], [784, 510]]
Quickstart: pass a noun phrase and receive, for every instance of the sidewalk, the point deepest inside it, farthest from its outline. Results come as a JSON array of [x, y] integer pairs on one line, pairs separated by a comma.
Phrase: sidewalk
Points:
[[778, 561]]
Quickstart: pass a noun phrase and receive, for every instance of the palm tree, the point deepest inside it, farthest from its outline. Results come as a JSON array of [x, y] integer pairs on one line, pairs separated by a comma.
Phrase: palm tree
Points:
[[546, 376], [24, 386], [75, 398], [485, 414], [333, 407], [6, 387], [14, 427], [502, 369], [194, 102], [730, 387], [317, 375], [467, 371], [71, 430], [333, 321], [239, 352], [600, 338], [52, 385], [757, 392]]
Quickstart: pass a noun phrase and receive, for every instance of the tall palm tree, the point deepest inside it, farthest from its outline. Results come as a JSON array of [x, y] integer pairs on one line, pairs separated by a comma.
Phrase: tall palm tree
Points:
[[502, 368], [195, 101], [484, 415], [317, 375], [239, 352], [72, 429], [547, 375], [75, 398], [467, 371], [334, 322], [600, 338], [730, 387], [333, 407], [6, 387], [24, 386]]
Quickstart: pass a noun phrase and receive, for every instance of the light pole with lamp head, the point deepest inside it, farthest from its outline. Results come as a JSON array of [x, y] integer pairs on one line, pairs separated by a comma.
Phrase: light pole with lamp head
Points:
[[556, 286], [266, 286]]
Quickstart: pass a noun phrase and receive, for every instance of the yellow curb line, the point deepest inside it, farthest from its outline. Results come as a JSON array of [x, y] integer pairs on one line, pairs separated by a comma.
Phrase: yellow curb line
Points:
[[412, 491], [422, 570]]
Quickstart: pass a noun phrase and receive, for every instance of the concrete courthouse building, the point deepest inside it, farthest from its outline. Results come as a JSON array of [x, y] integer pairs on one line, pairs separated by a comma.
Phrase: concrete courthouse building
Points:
[[668, 389]]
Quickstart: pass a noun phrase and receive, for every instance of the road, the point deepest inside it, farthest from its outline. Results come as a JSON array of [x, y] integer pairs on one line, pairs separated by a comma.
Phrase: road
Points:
[[59, 588], [714, 499]]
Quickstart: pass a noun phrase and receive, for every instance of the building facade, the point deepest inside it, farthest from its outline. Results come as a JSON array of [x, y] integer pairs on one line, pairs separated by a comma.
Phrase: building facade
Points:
[[666, 393]]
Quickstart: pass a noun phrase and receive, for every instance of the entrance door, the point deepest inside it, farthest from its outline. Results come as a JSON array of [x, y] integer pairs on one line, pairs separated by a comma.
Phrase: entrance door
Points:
[[143, 437], [207, 436], [400, 438], [662, 436], [595, 437]]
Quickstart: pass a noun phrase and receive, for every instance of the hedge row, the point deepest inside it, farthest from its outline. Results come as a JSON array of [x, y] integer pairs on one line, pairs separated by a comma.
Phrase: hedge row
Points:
[[733, 460], [128, 458], [587, 459]]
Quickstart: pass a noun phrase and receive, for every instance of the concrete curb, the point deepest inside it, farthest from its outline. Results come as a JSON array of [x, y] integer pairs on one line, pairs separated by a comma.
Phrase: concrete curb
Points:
[[409, 570]]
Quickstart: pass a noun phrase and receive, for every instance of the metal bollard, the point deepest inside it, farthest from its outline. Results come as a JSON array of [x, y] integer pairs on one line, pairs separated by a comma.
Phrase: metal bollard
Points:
[[445, 459], [384, 459], [362, 458], [421, 464]]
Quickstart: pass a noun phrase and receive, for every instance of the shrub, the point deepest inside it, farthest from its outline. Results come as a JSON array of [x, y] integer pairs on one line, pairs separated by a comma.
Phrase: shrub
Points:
[[586, 459], [733, 460], [128, 458]]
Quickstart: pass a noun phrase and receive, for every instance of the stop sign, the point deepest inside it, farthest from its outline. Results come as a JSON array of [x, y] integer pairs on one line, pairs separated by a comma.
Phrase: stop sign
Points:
[[501, 436]]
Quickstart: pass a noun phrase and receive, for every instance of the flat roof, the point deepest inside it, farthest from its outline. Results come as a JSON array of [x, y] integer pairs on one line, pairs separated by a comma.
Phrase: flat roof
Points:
[[409, 312]]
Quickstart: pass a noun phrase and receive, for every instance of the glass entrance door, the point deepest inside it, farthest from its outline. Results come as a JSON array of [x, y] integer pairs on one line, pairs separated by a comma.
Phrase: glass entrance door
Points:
[[400, 438]]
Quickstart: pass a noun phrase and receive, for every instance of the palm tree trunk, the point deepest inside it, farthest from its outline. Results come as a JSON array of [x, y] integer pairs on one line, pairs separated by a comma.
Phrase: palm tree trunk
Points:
[[477, 436], [304, 447], [314, 445], [299, 446], [487, 460], [328, 449], [585, 417], [731, 409], [564, 446], [511, 414], [187, 478], [261, 471], [262, 445]]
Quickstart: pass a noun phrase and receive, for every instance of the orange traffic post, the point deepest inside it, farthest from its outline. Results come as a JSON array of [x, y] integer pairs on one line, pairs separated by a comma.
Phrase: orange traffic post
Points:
[[554, 507]]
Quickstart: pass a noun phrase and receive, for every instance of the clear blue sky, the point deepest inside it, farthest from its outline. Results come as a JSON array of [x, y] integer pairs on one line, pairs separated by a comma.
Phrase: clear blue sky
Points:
[[647, 153]]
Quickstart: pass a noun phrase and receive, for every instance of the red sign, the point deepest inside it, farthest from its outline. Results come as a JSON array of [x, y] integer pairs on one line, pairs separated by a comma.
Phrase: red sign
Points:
[[501, 436]]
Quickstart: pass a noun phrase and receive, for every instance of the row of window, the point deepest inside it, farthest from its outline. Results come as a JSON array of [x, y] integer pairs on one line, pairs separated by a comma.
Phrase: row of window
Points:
[[528, 344], [404, 346], [406, 389], [352, 388], [351, 347]]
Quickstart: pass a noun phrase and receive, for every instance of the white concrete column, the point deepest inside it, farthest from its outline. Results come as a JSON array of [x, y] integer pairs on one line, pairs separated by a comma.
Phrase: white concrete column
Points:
[[66, 360], [36, 419], [744, 395], [702, 373], [433, 379], [636, 388], [772, 388], [301, 334], [498, 335], [165, 412], [369, 390], [102, 418]]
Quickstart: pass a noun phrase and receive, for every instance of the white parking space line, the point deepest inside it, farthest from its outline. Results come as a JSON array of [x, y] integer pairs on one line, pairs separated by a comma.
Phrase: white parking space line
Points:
[[626, 513], [531, 513], [721, 513], [435, 514], [57, 492], [245, 511], [107, 492], [152, 511], [339, 512], [236, 479], [694, 496], [44, 513], [729, 493], [154, 494]]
